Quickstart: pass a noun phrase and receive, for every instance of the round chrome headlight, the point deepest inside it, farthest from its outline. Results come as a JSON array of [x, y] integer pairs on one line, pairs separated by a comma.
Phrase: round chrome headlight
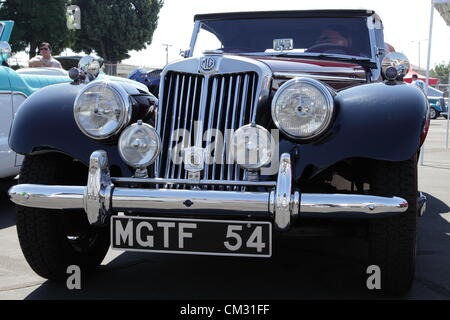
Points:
[[252, 146], [139, 145], [302, 108], [101, 109]]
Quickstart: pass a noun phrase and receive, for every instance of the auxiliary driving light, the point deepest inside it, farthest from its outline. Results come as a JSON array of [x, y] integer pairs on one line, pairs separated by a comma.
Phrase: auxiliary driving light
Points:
[[252, 146], [139, 145]]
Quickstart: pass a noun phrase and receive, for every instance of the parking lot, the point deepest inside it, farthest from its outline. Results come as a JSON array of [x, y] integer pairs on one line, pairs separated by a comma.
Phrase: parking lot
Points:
[[306, 268]]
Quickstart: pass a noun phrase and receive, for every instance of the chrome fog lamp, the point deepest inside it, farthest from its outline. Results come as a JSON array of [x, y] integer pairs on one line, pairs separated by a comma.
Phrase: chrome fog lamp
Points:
[[101, 109], [89, 66], [302, 108], [139, 145], [395, 65], [251, 146]]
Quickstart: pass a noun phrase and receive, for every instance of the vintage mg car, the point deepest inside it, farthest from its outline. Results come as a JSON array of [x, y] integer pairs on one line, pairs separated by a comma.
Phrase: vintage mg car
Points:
[[274, 122]]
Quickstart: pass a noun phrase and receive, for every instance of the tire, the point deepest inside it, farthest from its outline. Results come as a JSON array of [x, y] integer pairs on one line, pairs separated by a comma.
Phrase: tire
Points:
[[392, 241], [433, 113], [44, 233]]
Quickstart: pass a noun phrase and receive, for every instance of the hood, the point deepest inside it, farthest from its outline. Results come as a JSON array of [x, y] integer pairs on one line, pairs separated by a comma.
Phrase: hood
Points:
[[336, 74]]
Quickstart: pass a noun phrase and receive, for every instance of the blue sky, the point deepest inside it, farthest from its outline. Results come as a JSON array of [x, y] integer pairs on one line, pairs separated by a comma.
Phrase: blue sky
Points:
[[405, 23]]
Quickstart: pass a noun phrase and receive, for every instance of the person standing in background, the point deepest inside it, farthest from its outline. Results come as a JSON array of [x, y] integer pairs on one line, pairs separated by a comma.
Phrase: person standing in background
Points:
[[45, 59], [418, 83]]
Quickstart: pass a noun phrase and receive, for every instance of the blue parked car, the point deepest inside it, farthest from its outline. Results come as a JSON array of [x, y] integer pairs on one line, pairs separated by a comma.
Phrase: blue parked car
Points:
[[438, 107], [149, 78], [15, 87]]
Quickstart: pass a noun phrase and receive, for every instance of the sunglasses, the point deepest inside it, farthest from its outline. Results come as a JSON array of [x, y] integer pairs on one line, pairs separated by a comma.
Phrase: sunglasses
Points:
[[43, 48]]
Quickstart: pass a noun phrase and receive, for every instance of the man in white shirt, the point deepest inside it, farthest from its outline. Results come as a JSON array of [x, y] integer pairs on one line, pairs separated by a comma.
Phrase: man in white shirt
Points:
[[45, 59], [418, 83]]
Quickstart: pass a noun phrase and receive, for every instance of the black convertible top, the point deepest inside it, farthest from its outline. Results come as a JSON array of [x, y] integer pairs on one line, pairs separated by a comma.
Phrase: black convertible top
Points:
[[284, 14]]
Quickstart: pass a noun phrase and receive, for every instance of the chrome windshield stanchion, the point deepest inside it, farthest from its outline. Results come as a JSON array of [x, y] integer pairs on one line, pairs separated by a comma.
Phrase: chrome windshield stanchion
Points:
[[97, 197]]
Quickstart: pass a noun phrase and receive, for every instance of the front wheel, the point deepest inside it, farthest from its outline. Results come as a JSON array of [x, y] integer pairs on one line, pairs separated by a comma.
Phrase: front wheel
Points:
[[392, 241], [52, 240]]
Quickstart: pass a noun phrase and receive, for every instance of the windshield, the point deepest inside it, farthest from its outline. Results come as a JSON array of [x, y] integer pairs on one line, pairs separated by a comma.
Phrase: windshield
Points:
[[348, 36], [1, 28]]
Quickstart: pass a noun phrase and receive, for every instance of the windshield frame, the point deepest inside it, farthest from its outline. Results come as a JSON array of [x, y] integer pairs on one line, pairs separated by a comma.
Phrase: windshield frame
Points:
[[374, 62]]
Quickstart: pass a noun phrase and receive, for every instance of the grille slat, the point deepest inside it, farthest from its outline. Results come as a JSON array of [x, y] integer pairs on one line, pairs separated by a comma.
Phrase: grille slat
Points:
[[179, 111], [187, 106], [172, 126], [209, 127], [198, 103], [217, 126]]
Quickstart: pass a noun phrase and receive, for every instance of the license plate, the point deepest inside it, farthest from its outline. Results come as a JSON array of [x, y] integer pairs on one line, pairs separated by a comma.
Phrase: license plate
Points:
[[192, 236]]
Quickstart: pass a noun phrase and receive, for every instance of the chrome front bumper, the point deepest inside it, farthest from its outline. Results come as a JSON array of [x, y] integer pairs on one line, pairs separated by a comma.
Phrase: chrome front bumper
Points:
[[100, 198]]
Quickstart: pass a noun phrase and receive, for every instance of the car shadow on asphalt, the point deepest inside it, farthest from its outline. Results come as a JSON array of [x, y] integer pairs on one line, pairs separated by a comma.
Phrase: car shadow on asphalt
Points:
[[310, 268], [300, 268], [433, 248]]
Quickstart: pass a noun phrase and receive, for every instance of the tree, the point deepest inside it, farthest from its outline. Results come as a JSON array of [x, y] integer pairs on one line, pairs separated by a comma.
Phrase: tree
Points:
[[113, 27], [34, 22], [441, 71]]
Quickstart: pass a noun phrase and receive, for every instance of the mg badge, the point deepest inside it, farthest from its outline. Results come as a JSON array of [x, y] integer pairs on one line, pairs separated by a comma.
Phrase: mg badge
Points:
[[207, 63]]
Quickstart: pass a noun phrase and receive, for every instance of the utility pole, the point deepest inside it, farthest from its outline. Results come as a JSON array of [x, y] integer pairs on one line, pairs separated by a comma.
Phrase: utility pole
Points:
[[167, 52]]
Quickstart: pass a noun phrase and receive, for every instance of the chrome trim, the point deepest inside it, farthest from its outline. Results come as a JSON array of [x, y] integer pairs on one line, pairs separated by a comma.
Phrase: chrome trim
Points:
[[322, 88], [48, 197], [158, 200], [100, 198], [292, 75], [282, 204], [376, 72], [199, 182], [337, 203], [195, 31], [115, 86], [97, 195], [14, 93]]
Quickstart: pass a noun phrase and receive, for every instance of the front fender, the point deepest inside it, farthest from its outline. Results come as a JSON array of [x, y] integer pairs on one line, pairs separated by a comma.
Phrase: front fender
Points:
[[45, 122], [376, 121]]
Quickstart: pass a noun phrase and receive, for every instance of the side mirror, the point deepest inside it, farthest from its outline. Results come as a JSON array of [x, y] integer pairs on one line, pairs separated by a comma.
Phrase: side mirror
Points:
[[395, 66], [89, 66], [5, 51]]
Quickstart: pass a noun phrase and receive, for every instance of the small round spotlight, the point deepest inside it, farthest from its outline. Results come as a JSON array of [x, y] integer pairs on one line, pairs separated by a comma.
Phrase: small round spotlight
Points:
[[252, 146], [139, 145]]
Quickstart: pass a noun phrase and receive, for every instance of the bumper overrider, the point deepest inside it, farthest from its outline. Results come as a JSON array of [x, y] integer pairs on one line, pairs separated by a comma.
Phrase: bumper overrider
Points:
[[101, 198]]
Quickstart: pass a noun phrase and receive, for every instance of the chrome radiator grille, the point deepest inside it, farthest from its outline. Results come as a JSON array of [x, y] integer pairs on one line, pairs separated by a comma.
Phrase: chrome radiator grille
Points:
[[198, 103]]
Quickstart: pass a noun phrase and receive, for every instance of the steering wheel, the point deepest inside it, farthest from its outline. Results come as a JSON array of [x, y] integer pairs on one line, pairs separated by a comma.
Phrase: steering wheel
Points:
[[237, 49], [331, 48]]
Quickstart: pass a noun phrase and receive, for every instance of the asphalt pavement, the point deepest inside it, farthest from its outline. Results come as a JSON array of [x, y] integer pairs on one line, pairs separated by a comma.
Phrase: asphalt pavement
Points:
[[306, 268]]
